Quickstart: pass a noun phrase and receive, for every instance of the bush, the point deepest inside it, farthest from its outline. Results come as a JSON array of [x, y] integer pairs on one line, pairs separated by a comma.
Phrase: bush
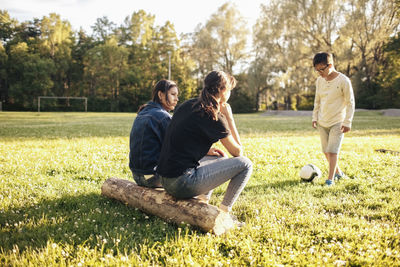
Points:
[[305, 102], [241, 102]]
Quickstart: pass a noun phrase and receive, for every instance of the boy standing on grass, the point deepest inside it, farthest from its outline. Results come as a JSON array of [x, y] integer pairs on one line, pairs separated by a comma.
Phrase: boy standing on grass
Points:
[[333, 110]]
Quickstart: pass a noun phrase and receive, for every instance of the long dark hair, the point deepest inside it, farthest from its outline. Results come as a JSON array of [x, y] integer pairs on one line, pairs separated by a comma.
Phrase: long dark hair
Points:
[[214, 83], [162, 86]]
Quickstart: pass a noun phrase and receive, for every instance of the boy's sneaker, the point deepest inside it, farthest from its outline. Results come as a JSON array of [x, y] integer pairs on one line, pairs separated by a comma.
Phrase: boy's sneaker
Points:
[[339, 176], [329, 182]]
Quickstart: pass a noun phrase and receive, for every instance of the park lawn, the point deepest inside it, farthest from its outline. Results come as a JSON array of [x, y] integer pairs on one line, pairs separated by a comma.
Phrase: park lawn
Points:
[[52, 166]]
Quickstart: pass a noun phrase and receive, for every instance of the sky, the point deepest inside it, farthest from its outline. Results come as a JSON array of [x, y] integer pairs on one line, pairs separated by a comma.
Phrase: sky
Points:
[[184, 14]]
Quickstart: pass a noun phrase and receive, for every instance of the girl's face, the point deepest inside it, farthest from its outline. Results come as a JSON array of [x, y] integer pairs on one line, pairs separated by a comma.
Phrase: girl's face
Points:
[[172, 96], [225, 94]]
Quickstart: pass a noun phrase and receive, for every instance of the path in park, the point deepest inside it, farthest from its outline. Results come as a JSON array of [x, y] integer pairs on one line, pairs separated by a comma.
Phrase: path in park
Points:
[[385, 112]]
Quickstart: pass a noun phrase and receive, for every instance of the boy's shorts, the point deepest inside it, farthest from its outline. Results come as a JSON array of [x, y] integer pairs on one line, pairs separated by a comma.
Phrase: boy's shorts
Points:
[[331, 138]]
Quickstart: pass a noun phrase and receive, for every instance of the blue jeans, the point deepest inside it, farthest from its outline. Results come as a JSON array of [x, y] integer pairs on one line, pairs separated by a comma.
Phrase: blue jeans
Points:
[[210, 174], [152, 182]]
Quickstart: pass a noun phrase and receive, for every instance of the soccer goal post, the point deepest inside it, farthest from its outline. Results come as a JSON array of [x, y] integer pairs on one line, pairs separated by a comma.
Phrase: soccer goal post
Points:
[[62, 97]]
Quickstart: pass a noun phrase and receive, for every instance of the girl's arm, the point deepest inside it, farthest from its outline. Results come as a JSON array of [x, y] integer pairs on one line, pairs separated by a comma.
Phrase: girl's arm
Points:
[[226, 109], [232, 146], [231, 142]]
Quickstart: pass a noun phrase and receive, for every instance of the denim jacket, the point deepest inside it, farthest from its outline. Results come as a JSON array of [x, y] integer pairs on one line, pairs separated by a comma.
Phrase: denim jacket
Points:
[[146, 137]]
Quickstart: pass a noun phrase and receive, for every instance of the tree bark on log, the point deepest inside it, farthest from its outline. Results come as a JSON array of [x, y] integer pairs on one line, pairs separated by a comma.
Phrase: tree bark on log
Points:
[[159, 203]]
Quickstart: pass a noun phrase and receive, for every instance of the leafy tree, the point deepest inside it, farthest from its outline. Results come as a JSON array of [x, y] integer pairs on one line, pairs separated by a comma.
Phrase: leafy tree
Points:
[[105, 66], [29, 76], [5, 35], [103, 29], [150, 49], [181, 63], [17, 38], [221, 42], [286, 36], [257, 77], [389, 76], [6, 26], [240, 100], [369, 24], [78, 85], [389, 72], [138, 33], [117, 65], [3, 73], [289, 33], [56, 44]]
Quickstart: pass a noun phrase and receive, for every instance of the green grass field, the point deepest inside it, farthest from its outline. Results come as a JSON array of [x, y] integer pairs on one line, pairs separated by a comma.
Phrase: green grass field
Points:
[[52, 166]]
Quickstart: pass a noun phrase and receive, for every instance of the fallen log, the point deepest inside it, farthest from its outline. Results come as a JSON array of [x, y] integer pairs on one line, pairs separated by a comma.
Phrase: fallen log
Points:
[[156, 201]]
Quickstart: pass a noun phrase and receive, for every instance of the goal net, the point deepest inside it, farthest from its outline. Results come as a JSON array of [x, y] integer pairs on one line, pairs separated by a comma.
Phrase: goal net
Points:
[[62, 103]]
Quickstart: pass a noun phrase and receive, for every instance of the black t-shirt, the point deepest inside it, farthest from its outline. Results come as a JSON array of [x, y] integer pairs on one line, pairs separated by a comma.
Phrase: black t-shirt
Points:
[[188, 138]]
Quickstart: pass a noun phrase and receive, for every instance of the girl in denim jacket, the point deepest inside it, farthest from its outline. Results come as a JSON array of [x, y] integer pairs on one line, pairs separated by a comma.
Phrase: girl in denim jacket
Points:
[[148, 132]]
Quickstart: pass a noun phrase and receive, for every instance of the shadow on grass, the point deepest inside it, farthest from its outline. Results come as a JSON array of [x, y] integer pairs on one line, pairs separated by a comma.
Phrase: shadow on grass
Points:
[[261, 188], [90, 219], [281, 185]]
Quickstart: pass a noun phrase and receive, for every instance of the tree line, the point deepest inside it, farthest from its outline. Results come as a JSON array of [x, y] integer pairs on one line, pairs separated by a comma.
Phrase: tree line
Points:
[[116, 66]]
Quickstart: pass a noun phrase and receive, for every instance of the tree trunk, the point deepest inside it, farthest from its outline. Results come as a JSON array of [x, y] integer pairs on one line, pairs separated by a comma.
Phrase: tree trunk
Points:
[[159, 203], [258, 100]]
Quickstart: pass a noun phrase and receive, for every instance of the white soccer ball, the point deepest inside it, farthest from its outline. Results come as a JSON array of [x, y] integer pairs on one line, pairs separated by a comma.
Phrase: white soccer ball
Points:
[[309, 172]]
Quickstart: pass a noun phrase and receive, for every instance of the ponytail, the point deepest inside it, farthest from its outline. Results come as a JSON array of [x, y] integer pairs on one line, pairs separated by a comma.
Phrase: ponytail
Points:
[[214, 83], [208, 103]]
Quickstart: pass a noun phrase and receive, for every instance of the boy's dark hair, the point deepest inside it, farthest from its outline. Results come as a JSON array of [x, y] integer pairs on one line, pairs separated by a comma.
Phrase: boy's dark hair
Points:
[[323, 57]]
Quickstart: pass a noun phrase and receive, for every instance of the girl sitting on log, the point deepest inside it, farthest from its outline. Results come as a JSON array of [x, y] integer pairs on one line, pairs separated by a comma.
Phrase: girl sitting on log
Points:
[[148, 132], [196, 125]]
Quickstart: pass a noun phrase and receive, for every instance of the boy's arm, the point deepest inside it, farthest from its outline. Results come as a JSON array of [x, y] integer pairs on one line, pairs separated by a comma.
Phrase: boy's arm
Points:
[[349, 102], [316, 106]]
